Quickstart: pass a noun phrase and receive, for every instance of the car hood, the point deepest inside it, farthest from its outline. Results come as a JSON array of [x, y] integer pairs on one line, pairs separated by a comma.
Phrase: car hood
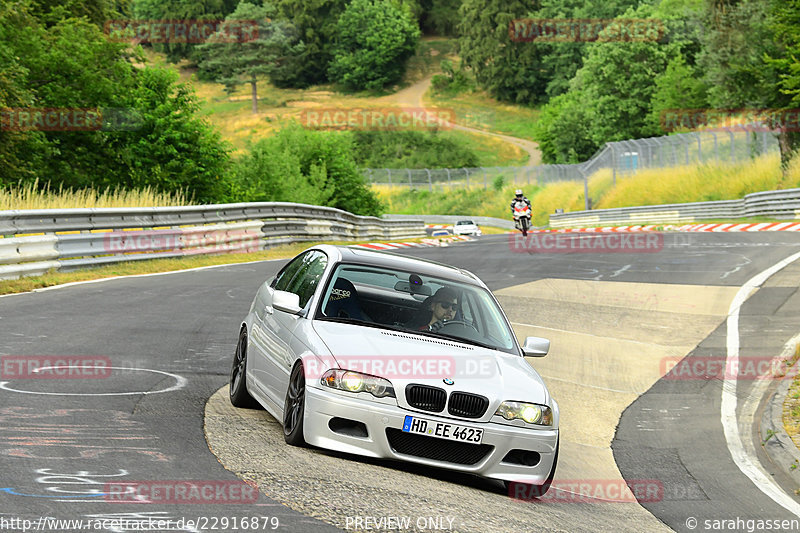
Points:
[[408, 358]]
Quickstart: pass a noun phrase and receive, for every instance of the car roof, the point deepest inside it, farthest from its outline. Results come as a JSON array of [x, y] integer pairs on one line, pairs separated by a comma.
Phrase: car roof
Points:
[[385, 259]]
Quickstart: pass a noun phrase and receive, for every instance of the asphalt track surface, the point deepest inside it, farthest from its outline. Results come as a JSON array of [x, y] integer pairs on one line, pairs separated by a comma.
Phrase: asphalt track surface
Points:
[[169, 340]]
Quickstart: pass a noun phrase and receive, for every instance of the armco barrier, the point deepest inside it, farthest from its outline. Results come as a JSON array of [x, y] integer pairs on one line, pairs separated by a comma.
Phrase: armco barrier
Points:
[[38, 240], [783, 204], [452, 219]]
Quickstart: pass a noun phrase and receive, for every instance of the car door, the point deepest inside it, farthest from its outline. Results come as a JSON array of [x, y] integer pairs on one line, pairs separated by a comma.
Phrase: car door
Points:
[[279, 327], [264, 335]]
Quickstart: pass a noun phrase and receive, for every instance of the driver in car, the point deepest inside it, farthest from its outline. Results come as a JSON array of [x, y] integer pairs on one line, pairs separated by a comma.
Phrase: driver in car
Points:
[[438, 309]]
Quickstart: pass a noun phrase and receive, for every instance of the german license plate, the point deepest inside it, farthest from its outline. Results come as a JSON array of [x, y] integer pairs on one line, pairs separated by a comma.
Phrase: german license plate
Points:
[[442, 430]]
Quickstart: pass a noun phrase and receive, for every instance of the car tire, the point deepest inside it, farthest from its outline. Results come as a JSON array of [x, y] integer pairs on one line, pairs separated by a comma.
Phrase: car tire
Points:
[[294, 407], [537, 491], [238, 380]]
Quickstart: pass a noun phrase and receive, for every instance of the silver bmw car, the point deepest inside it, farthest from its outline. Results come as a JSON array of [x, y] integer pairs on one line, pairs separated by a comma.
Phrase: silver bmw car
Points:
[[387, 356]]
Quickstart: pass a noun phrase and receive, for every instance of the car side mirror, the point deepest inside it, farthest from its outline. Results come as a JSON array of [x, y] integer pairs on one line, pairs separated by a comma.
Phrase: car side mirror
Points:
[[288, 302], [536, 347]]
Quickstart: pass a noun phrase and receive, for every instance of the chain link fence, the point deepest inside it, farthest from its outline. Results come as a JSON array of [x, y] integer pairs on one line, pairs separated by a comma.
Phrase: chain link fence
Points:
[[622, 157]]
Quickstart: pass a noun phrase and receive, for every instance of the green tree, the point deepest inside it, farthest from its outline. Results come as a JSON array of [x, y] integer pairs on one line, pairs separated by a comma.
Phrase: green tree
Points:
[[783, 62], [21, 153], [563, 129], [609, 98], [50, 12], [179, 10], [737, 37], [72, 64], [172, 148], [440, 17], [508, 70], [233, 63], [374, 40], [562, 60], [750, 55], [679, 87], [618, 79], [315, 21]]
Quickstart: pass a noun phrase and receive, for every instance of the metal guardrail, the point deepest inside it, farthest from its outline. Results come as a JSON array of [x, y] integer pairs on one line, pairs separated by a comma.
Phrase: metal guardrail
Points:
[[67, 239], [452, 219], [784, 204]]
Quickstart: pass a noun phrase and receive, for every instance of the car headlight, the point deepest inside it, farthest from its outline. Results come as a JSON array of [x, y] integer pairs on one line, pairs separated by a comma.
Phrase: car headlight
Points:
[[532, 413], [350, 381]]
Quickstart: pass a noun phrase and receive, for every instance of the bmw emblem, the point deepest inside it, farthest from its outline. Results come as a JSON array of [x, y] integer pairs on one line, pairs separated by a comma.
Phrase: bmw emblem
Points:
[[448, 381]]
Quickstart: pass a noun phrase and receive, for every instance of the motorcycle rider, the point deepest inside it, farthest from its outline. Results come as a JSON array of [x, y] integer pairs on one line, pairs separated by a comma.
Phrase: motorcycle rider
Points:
[[519, 197]]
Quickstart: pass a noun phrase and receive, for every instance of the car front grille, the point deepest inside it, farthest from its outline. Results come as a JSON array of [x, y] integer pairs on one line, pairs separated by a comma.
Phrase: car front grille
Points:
[[426, 398], [467, 405], [436, 449]]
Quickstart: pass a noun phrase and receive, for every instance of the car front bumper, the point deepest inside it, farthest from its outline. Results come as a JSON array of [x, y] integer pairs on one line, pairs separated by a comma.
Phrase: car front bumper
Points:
[[500, 439]]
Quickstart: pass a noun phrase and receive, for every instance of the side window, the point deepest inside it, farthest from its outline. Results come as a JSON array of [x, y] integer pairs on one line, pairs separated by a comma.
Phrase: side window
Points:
[[285, 276], [307, 277]]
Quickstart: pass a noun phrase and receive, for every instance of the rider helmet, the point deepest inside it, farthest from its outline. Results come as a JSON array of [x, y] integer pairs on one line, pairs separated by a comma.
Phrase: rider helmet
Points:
[[519, 194]]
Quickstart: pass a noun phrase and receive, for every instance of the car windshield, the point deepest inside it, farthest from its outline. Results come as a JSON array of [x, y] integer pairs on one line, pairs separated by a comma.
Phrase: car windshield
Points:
[[427, 305], [464, 223]]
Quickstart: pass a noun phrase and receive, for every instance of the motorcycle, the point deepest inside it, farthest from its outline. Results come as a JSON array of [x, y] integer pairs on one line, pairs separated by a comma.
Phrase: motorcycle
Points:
[[522, 217]]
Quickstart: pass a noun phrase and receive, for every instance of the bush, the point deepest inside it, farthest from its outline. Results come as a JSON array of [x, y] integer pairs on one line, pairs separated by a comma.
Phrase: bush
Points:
[[452, 81], [160, 141], [411, 149], [299, 165], [374, 40]]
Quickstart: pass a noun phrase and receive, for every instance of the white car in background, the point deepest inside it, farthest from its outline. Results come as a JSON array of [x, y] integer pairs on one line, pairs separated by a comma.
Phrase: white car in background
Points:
[[466, 227]]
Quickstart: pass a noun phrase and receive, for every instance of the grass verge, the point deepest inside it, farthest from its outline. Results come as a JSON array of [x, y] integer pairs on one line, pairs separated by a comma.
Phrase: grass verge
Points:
[[791, 408], [479, 110], [31, 197], [648, 187]]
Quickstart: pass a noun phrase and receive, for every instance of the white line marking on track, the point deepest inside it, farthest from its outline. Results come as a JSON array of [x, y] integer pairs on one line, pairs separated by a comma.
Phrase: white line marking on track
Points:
[[743, 454], [586, 334], [620, 271], [180, 382], [591, 386]]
